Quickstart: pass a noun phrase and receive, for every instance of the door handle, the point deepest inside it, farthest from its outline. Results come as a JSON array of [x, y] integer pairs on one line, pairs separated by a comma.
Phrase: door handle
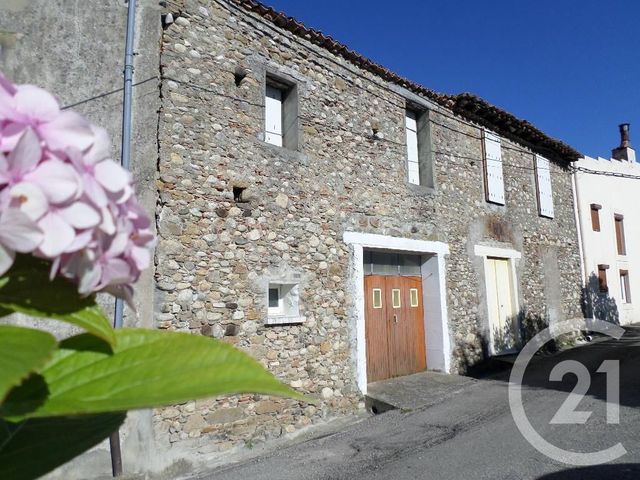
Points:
[[395, 318]]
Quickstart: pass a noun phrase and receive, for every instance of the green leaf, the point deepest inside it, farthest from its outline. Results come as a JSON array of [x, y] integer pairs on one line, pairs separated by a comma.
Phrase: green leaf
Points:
[[34, 447], [26, 288], [147, 368], [22, 350]]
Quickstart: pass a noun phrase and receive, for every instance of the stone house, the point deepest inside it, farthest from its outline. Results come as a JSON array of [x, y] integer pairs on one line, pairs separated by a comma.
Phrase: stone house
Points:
[[336, 221], [340, 223], [609, 230]]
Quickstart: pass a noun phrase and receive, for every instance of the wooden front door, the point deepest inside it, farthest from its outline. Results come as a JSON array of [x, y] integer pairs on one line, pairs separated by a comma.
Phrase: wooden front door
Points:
[[394, 318]]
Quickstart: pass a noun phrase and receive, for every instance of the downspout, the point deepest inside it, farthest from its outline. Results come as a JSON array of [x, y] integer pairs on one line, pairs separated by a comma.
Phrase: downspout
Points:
[[125, 160]]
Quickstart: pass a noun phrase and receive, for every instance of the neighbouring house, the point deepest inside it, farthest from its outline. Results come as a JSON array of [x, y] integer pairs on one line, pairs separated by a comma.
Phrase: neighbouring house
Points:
[[609, 221], [336, 221]]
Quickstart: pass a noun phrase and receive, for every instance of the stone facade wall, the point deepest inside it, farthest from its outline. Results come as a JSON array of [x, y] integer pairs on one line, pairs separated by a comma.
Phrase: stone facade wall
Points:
[[216, 255]]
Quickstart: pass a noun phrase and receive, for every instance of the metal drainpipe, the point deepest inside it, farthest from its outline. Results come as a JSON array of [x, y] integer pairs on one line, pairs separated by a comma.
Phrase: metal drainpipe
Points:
[[114, 438]]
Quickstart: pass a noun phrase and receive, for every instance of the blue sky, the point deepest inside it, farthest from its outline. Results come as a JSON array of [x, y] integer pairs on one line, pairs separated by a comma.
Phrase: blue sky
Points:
[[571, 67]]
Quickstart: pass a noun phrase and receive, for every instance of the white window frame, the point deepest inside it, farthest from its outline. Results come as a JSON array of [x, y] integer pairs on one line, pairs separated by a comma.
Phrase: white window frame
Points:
[[288, 309], [274, 311]]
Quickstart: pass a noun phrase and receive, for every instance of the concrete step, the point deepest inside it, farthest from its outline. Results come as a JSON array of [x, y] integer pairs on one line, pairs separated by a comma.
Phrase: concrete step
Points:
[[413, 392]]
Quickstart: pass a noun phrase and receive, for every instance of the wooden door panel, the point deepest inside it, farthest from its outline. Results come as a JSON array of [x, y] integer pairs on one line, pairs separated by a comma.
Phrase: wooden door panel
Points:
[[376, 329], [415, 311], [399, 328], [395, 336], [406, 338]]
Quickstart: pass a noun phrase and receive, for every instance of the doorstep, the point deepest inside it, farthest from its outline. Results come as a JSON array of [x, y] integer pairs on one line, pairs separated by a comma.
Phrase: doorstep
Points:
[[413, 392]]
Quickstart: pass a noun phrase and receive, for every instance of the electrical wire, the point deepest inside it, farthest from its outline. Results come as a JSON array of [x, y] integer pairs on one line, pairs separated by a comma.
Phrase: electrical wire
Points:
[[371, 137]]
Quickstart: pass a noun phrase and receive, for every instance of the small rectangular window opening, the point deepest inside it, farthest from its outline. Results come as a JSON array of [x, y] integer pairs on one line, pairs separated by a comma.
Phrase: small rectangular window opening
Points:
[[281, 113], [274, 300], [602, 278], [595, 217], [418, 139], [395, 297], [413, 293], [377, 298], [620, 240], [625, 289]]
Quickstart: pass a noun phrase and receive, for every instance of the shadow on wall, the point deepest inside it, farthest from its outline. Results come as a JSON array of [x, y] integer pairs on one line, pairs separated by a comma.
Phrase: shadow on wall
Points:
[[598, 304], [509, 338]]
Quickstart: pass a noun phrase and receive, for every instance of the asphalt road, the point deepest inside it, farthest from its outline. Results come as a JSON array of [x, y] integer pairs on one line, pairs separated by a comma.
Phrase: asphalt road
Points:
[[473, 434]]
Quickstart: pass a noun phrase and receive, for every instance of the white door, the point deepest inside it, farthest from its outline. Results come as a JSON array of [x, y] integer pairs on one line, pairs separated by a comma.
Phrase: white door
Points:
[[502, 307]]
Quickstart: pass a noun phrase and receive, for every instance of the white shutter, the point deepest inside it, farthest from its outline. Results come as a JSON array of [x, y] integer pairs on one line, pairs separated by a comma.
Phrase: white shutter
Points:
[[543, 181], [413, 168], [493, 168], [273, 116]]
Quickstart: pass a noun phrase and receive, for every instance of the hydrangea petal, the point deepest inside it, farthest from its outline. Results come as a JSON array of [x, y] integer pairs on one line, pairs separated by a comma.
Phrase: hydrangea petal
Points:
[[108, 225], [80, 215], [7, 86], [94, 191], [36, 104], [58, 180], [81, 241], [10, 135], [112, 176], [58, 235], [115, 271], [141, 257], [101, 148], [26, 154], [118, 245], [29, 199], [18, 232], [67, 130], [90, 278]]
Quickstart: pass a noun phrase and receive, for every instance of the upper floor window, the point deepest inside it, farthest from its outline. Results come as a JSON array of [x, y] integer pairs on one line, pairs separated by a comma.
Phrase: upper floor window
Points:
[[595, 216], [281, 113], [620, 241], [493, 179], [419, 164], [625, 288], [543, 186]]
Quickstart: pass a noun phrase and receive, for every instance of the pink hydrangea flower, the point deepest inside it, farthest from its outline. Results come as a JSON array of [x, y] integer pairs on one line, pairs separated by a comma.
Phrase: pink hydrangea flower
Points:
[[63, 198]]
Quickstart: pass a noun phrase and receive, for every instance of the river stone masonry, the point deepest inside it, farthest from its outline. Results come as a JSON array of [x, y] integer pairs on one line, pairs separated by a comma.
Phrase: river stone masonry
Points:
[[234, 212]]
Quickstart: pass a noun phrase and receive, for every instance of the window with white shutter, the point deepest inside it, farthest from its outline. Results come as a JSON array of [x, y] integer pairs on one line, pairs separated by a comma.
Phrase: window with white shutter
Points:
[[281, 125], [273, 116], [543, 182], [494, 181], [413, 166]]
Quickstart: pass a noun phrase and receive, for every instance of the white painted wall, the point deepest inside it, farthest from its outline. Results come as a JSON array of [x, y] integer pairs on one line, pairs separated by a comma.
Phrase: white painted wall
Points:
[[616, 195]]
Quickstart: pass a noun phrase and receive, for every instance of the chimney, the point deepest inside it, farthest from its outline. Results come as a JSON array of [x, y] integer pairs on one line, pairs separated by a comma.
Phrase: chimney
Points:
[[624, 152]]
